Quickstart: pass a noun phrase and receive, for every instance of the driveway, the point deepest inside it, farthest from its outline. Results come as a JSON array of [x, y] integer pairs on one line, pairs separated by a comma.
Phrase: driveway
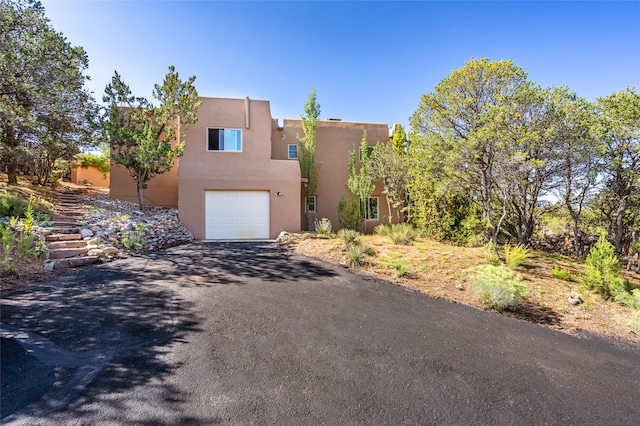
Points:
[[246, 333]]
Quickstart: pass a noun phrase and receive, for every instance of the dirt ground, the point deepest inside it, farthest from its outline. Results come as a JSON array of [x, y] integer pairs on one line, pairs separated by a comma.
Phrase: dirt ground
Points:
[[444, 271]]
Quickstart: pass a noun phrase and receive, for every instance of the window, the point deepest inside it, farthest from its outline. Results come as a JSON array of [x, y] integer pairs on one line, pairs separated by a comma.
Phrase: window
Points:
[[370, 208], [224, 140], [293, 151], [369, 152], [311, 204]]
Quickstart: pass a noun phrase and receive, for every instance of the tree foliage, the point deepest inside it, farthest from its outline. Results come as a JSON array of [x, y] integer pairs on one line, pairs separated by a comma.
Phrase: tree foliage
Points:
[[308, 166], [453, 121], [145, 138], [618, 130], [45, 112]]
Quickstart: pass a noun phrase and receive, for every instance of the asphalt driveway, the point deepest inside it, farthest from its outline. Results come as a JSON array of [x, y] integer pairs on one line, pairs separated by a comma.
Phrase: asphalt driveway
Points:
[[246, 333]]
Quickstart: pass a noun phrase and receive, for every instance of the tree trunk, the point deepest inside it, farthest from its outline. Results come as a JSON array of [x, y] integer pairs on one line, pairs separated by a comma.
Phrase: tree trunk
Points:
[[619, 224], [12, 161], [140, 195]]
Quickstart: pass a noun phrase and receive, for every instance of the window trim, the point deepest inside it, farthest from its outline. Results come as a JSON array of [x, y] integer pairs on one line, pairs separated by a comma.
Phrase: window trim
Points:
[[315, 204], [366, 210], [225, 129], [289, 151]]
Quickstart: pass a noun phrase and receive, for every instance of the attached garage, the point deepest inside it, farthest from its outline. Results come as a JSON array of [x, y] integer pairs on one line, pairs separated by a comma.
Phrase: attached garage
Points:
[[237, 215]]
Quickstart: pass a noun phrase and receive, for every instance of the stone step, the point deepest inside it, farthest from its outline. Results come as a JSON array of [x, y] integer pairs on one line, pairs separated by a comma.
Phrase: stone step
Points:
[[63, 237], [63, 223], [64, 253], [64, 230], [75, 262], [54, 245]]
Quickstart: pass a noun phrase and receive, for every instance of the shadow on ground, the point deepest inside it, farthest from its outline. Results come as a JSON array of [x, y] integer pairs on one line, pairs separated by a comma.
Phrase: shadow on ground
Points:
[[104, 330], [231, 263]]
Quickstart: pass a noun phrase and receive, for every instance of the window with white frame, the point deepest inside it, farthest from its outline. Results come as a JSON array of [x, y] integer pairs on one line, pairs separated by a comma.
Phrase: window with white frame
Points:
[[292, 152], [369, 208], [224, 140], [369, 152], [311, 204]]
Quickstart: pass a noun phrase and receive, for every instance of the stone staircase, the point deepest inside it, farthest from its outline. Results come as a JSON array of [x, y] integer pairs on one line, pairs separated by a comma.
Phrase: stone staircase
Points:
[[68, 246]]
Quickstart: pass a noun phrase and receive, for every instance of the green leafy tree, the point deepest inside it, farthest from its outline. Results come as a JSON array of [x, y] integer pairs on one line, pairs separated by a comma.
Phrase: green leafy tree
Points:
[[390, 166], [602, 270], [360, 184], [399, 140], [43, 104], [144, 138], [580, 160], [308, 166], [618, 129], [451, 123]]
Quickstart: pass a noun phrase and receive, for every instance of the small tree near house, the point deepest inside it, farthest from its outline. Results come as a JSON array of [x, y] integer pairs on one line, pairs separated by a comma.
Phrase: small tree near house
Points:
[[144, 137], [308, 167]]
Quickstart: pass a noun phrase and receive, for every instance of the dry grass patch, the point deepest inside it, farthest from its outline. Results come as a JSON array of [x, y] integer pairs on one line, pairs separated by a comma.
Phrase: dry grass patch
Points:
[[444, 271]]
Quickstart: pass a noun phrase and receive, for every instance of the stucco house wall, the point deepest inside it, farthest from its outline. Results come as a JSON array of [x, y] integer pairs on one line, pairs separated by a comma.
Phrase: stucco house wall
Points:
[[334, 140], [90, 175], [251, 169], [263, 164]]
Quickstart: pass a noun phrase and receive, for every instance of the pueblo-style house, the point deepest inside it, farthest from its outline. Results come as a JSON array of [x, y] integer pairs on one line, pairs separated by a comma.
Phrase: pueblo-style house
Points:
[[239, 176]]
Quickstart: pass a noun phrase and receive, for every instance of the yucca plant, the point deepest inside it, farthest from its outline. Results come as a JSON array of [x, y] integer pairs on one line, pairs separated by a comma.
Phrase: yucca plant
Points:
[[348, 236], [356, 254], [323, 226]]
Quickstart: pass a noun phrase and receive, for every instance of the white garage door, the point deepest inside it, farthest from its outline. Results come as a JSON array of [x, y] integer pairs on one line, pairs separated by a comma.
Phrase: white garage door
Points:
[[237, 215]]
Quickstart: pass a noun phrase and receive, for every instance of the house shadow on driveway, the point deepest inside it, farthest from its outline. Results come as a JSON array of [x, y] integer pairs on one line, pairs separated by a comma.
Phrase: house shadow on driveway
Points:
[[96, 335], [99, 333], [233, 263]]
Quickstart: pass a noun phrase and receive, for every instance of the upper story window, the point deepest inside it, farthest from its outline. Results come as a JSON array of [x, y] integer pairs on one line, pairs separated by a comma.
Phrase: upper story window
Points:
[[369, 152], [292, 151], [224, 140]]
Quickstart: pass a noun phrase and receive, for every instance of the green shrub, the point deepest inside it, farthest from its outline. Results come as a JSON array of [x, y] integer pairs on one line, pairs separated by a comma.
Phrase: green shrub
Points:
[[132, 240], [121, 216], [402, 233], [491, 254], [7, 246], [384, 229], [602, 270], [356, 254], [499, 288], [514, 256], [323, 226], [12, 205], [562, 274], [630, 299], [401, 268], [348, 236], [349, 213]]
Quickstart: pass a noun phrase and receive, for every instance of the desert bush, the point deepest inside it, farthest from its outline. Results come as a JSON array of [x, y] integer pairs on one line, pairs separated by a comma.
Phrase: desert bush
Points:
[[384, 229], [8, 242], [630, 299], [132, 240], [401, 268], [356, 254], [602, 270], [514, 256], [348, 236], [323, 226], [499, 288], [402, 233], [349, 213], [562, 274], [12, 205], [491, 253]]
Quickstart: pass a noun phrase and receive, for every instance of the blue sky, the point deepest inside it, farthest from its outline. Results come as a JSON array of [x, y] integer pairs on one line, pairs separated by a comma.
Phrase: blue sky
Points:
[[369, 61]]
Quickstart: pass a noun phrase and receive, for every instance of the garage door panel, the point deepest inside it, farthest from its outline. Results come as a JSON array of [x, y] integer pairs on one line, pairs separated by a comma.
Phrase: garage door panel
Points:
[[237, 214]]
